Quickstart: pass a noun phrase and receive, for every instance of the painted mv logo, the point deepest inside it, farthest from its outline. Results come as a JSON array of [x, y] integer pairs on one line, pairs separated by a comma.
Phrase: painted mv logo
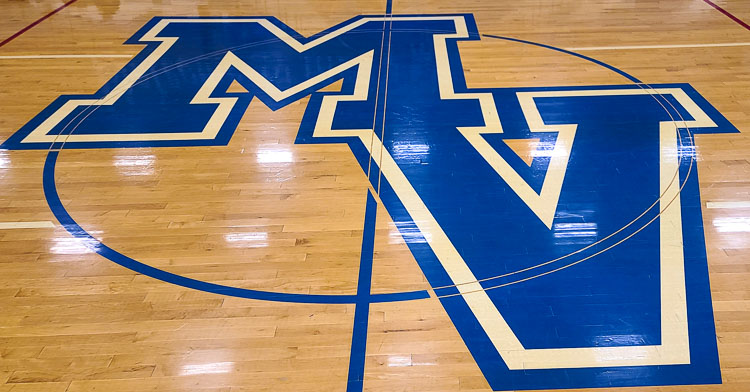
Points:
[[584, 266]]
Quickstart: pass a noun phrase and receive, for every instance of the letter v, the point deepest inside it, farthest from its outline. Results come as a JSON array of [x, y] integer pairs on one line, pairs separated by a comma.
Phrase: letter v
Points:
[[544, 203]]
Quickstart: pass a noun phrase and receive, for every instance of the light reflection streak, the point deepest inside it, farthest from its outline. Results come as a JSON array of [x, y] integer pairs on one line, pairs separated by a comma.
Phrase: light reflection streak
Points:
[[547, 149], [576, 230], [411, 151], [399, 361], [686, 151], [207, 368], [4, 161], [72, 245], [575, 233], [247, 239], [409, 232], [135, 165], [275, 156], [732, 224]]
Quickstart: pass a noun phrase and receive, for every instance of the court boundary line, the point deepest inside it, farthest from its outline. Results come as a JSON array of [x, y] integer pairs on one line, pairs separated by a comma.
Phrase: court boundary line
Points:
[[36, 22], [727, 14]]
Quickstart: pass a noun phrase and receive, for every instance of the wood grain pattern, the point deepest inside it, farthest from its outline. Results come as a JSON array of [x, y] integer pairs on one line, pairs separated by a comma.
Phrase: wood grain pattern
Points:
[[74, 321]]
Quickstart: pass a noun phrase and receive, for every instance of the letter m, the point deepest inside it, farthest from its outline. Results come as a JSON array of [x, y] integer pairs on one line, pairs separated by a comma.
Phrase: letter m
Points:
[[175, 92]]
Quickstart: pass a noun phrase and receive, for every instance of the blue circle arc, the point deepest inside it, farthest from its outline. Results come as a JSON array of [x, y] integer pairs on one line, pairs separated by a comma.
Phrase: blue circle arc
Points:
[[62, 215], [587, 58], [72, 227]]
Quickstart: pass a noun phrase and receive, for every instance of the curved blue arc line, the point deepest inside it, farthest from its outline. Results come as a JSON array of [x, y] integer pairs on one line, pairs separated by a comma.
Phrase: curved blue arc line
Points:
[[67, 221], [587, 58]]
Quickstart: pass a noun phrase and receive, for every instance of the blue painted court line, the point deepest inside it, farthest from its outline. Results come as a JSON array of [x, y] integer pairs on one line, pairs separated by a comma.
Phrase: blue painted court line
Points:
[[67, 221], [362, 310], [356, 377]]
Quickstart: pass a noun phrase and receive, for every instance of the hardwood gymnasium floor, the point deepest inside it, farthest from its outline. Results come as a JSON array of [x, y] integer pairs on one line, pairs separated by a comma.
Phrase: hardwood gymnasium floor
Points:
[[137, 256]]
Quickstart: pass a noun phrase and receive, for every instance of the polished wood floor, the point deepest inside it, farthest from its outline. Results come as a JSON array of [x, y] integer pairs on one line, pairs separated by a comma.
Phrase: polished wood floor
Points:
[[266, 213]]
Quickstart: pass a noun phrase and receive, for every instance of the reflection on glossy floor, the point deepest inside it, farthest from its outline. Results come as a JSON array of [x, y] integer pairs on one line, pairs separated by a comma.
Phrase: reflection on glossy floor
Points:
[[374, 195]]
